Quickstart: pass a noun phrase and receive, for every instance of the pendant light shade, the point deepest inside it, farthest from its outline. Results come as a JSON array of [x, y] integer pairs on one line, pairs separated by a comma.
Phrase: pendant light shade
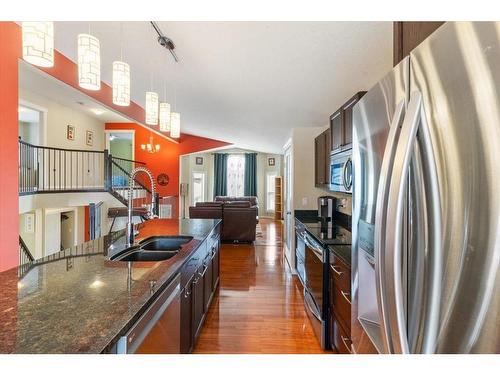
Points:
[[89, 62], [151, 108], [121, 83], [175, 125], [38, 43], [164, 117]]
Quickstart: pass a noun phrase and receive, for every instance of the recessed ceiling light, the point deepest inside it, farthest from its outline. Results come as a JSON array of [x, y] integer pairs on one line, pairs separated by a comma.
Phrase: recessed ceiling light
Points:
[[97, 111]]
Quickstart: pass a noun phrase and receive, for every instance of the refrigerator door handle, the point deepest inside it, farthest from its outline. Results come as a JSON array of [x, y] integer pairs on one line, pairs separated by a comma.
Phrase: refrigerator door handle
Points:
[[414, 120], [396, 316], [435, 237], [380, 221]]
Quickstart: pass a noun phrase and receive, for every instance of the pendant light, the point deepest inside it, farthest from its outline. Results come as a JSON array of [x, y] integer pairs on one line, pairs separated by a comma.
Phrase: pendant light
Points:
[[151, 100], [175, 125], [151, 108], [38, 43], [89, 62], [165, 113], [175, 120], [121, 79]]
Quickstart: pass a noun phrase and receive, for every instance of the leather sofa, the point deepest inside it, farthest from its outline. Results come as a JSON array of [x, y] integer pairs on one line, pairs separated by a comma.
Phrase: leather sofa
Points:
[[239, 217]]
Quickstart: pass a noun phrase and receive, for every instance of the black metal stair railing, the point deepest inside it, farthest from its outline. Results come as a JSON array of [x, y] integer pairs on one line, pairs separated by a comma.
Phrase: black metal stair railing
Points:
[[118, 181], [26, 259], [45, 169]]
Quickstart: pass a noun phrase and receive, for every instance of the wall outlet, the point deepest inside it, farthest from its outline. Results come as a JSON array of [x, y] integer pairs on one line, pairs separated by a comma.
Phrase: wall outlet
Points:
[[304, 201]]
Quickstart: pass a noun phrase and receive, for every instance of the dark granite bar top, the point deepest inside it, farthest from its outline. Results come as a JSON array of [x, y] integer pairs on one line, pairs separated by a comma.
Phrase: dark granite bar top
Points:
[[78, 301]]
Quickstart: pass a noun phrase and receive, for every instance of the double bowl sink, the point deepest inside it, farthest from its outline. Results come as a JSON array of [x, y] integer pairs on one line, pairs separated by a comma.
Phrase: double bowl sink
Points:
[[153, 249]]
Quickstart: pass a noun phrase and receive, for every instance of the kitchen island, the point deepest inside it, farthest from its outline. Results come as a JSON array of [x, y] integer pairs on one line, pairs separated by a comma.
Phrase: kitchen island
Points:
[[80, 301]]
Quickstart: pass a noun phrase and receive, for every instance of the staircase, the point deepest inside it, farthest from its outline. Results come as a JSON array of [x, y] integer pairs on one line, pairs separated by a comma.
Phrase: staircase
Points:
[[26, 259], [56, 170]]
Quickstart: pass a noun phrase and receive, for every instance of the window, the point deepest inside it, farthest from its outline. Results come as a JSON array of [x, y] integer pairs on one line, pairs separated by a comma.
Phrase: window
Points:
[[198, 187], [236, 175], [270, 190]]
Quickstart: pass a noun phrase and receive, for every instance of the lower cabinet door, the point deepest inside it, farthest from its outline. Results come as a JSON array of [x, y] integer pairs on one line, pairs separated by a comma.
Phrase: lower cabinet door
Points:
[[198, 303], [215, 266], [341, 341], [207, 282], [187, 318]]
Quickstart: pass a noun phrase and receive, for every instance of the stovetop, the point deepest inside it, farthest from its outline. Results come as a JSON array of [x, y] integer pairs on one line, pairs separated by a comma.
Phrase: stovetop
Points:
[[329, 233]]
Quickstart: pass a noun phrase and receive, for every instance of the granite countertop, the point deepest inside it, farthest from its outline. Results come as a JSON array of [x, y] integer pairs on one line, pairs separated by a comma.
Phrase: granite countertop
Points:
[[78, 301], [309, 219]]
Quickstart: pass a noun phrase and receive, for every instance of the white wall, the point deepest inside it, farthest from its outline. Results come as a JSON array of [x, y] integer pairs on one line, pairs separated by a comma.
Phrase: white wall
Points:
[[59, 116], [188, 166], [305, 193]]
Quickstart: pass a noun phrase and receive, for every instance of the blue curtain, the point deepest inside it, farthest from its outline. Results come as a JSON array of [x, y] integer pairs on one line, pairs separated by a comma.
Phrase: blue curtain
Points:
[[220, 174], [251, 175]]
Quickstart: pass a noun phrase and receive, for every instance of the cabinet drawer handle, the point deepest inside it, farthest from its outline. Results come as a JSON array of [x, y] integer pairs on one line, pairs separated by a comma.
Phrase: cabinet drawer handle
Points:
[[346, 296], [205, 267], [344, 339], [334, 268]]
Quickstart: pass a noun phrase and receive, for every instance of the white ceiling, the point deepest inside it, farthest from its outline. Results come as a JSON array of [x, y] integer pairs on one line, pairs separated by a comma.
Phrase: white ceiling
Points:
[[248, 83], [34, 80]]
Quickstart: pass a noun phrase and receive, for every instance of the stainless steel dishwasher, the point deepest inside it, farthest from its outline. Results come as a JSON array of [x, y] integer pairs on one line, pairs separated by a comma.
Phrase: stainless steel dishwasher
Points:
[[158, 330]]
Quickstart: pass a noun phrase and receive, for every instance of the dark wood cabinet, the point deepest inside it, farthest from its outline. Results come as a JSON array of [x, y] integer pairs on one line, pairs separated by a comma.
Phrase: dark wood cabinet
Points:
[[215, 265], [322, 147], [336, 125], [341, 124], [341, 341], [340, 305], [199, 280], [207, 280], [408, 35], [198, 302], [187, 316]]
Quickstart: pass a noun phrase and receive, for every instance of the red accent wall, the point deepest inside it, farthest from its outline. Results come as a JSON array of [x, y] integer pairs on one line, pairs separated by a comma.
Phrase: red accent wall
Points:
[[10, 40], [168, 159]]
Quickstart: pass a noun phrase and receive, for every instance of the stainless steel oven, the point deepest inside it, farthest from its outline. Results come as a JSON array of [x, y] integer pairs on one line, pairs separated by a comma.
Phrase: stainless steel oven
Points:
[[316, 263], [341, 171]]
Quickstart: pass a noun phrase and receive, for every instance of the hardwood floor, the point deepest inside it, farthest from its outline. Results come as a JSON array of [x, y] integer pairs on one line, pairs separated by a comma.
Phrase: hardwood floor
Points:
[[259, 307]]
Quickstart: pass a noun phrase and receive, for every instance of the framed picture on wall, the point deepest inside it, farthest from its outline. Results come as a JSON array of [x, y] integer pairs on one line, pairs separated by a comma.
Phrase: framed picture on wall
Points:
[[70, 132], [271, 162], [199, 160], [89, 139]]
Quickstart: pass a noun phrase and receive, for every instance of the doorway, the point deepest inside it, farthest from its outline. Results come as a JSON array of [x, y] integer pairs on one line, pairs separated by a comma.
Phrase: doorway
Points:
[[31, 123], [198, 183], [288, 203], [120, 144], [67, 229]]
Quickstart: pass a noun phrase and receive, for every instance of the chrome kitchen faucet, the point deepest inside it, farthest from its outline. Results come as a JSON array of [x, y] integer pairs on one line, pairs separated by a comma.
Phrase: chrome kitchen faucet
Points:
[[151, 215]]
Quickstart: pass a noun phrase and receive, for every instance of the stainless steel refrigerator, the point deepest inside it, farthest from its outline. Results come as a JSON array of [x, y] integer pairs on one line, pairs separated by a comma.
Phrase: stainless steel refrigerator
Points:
[[426, 199]]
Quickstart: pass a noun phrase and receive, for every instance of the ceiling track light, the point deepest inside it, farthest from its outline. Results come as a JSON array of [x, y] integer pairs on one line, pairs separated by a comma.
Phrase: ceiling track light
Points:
[[165, 41]]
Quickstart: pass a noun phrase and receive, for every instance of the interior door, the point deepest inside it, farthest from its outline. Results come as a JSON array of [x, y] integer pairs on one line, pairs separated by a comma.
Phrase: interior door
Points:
[[288, 217]]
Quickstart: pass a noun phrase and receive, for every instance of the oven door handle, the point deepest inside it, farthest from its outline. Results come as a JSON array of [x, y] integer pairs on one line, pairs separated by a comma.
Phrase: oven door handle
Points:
[[317, 250], [311, 305], [347, 182]]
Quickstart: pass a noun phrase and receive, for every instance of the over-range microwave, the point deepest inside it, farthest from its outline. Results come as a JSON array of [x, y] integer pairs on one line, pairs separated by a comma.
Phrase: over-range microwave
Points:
[[341, 171]]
